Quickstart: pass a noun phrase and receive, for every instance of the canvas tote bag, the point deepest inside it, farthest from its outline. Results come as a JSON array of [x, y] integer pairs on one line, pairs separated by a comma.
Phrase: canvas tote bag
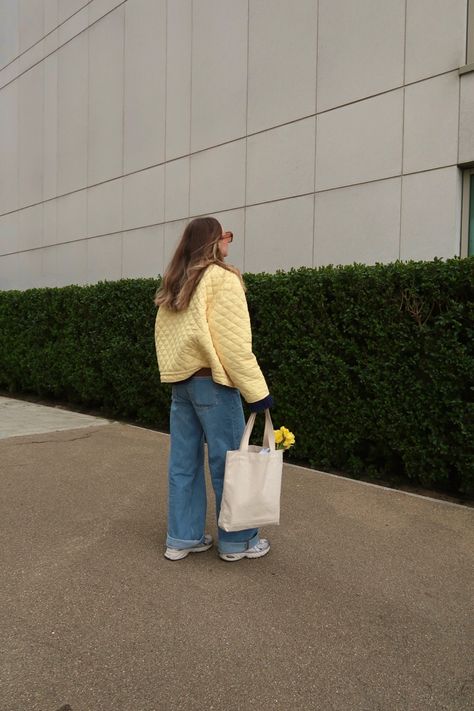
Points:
[[252, 482]]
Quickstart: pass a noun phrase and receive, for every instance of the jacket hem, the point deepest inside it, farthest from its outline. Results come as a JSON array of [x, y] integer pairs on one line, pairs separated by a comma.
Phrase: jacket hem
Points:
[[184, 375]]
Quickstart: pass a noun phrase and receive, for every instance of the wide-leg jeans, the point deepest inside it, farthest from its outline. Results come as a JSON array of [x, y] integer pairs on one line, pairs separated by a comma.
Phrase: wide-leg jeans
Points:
[[202, 410]]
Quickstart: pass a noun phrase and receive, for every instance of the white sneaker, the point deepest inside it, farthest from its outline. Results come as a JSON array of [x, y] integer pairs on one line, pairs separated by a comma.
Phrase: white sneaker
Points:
[[257, 551], [178, 553]]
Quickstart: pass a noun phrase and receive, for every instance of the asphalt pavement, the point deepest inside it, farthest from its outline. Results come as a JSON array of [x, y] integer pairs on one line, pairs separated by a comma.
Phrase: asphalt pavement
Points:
[[364, 603]]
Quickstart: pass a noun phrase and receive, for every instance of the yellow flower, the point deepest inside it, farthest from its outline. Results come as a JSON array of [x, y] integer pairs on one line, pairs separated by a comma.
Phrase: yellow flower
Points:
[[284, 439]]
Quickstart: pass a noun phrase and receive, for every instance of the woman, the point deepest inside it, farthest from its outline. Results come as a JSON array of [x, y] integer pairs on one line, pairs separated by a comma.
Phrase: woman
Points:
[[204, 348]]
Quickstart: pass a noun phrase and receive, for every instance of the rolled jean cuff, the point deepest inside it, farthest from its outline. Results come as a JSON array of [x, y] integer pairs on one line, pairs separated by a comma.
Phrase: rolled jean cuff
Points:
[[238, 546], [180, 544]]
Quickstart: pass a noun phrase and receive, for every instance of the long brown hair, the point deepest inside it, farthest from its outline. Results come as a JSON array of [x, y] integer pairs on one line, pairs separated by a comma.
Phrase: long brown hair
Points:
[[197, 249]]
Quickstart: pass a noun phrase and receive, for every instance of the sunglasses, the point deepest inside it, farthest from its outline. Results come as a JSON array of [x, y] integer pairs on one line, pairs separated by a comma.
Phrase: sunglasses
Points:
[[229, 236]]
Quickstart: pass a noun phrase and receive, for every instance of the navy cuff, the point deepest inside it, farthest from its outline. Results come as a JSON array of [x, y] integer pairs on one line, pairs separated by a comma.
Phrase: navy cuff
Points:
[[261, 405]]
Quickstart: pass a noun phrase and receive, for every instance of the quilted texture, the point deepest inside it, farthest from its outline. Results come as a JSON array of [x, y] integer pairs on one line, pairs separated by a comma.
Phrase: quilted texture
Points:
[[213, 332]]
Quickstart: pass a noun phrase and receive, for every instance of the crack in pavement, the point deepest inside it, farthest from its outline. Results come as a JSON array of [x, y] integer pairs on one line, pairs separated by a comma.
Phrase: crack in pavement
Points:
[[57, 441]]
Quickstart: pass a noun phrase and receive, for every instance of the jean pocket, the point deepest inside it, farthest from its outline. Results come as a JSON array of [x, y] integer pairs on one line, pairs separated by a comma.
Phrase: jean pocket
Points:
[[204, 392]]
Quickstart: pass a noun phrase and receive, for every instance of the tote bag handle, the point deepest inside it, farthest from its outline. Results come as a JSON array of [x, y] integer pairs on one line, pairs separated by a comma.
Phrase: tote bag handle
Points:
[[268, 435]]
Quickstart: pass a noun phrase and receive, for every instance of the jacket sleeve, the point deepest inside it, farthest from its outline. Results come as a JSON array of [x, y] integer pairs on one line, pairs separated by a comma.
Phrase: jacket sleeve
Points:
[[229, 325]]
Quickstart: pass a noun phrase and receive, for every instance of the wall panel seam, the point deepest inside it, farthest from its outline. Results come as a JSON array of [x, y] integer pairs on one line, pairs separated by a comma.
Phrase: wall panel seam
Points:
[[87, 137], [227, 209], [86, 29], [403, 129], [246, 134], [460, 236], [43, 37], [280, 125], [124, 74], [315, 132], [191, 105], [263, 202]]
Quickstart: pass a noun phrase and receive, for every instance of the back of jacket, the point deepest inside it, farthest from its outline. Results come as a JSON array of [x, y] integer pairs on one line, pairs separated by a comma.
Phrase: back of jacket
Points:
[[213, 332]]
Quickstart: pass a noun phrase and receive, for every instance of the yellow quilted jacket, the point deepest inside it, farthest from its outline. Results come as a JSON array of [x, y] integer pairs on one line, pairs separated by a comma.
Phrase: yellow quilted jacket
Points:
[[213, 332]]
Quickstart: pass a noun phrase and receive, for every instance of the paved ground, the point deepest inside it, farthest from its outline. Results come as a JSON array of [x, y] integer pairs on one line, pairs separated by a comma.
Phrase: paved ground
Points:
[[19, 417], [365, 601]]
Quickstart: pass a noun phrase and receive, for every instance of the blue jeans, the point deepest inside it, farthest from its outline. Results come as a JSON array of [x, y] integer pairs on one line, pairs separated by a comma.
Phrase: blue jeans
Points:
[[202, 409]]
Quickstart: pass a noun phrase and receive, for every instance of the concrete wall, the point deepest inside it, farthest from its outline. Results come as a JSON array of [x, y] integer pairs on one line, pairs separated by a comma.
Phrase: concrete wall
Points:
[[318, 131]]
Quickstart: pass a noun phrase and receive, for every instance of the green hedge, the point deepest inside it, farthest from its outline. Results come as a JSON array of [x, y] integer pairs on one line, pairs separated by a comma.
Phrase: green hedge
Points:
[[370, 366]]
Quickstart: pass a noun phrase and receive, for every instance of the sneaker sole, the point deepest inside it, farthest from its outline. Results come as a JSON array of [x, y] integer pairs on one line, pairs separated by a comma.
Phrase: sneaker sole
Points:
[[231, 557], [180, 554]]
